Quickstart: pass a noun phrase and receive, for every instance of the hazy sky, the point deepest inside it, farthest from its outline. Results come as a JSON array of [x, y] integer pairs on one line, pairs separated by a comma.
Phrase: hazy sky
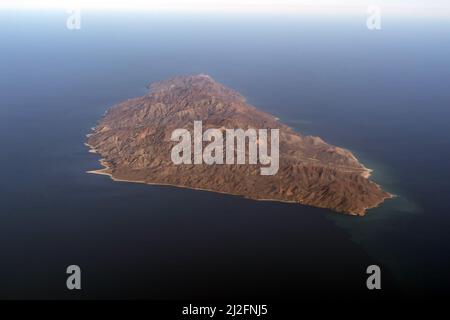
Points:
[[397, 7]]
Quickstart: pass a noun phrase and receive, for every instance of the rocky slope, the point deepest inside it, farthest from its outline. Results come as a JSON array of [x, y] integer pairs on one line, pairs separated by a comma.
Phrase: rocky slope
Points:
[[133, 138]]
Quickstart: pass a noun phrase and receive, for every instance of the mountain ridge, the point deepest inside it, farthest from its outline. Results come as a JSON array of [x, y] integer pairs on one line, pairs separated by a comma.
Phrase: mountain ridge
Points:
[[133, 139]]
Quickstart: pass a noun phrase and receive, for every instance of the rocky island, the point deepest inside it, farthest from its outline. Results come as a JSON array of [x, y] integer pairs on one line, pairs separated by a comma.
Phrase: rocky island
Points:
[[134, 140]]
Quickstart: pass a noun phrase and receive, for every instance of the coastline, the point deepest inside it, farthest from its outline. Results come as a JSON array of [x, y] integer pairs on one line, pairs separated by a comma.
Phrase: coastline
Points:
[[106, 171]]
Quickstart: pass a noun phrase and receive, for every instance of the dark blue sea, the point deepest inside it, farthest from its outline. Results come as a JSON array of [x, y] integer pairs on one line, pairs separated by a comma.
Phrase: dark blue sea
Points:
[[383, 94]]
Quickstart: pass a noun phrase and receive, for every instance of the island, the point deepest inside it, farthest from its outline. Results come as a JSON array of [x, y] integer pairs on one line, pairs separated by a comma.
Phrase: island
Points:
[[135, 141]]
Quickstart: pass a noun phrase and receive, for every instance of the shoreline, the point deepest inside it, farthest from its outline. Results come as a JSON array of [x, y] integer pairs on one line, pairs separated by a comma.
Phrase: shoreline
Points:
[[106, 171]]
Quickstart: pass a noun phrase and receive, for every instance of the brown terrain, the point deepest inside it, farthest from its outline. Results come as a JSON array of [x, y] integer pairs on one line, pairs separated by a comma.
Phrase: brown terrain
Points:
[[133, 139]]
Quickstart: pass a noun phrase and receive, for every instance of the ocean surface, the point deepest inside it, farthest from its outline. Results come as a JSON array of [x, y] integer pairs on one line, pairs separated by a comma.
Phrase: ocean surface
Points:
[[382, 94]]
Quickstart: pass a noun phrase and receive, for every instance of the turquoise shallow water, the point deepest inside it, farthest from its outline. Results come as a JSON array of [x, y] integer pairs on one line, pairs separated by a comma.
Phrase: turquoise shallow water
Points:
[[382, 95]]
